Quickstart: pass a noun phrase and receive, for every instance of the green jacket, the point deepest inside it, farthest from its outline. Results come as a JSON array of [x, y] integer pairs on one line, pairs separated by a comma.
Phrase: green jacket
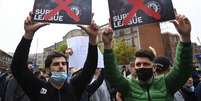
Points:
[[162, 88]]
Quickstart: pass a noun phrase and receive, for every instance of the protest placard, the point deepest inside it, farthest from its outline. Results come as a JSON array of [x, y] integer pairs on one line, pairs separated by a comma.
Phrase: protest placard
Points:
[[126, 13], [63, 11], [79, 45]]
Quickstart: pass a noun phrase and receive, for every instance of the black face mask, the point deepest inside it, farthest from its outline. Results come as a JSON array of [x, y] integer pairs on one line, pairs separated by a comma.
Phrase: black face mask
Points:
[[144, 74]]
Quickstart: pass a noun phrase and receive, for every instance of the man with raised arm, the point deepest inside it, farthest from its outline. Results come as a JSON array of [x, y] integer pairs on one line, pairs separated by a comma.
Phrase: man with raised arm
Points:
[[147, 87]]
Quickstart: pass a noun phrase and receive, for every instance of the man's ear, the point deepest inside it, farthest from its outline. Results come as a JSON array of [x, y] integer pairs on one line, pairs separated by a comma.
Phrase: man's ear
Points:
[[153, 67]]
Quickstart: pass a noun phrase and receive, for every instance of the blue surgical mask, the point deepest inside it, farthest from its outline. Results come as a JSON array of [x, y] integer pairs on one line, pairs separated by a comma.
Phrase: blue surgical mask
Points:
[[57, 79]]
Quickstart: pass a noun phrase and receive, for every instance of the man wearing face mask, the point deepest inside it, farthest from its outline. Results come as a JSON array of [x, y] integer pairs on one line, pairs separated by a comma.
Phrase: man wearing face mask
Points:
[[187, 92], [147, 87], [57, 88]]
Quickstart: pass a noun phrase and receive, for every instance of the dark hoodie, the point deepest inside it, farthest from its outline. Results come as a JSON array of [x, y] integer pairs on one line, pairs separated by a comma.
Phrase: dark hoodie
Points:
[[38, 90]]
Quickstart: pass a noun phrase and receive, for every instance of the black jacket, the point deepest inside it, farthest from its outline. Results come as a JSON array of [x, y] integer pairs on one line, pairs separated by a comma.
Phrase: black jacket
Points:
[[14, 91], [89, 91], [188, 95], [38, 90]]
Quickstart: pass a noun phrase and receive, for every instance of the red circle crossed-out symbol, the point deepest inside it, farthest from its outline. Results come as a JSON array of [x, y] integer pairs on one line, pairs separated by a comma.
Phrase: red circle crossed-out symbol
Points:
[[139, 5], [62, 5]]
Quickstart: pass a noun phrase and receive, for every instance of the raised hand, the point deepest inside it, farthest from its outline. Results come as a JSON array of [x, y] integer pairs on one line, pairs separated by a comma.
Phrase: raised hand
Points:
[[183, 26], [31, 27], [92, 30], [107, 36]]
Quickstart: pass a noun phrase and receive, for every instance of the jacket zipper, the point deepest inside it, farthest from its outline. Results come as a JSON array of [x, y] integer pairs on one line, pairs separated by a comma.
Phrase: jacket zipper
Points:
[[149, 97], [59, 95]]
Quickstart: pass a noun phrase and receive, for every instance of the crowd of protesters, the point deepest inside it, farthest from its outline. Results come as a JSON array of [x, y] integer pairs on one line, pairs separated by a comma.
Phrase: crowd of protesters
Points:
[[148, 78], [10, 90]]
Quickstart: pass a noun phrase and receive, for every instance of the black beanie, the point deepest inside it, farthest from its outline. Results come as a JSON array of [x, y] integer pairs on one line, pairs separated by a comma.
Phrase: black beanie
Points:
[[163, 62]]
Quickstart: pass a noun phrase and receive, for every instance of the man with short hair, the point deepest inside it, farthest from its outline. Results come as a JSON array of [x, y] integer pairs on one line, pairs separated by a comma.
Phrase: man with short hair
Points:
[[187, 92], [57, 88], [147, 87]]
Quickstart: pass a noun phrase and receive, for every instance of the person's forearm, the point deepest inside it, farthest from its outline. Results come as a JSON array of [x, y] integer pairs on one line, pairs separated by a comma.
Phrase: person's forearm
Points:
[[95, 85], [28, 36], [112, 74], [108, 46], [93, 41], [19, 64], [185, 39], [88, 70], [182, 67], [91, 61], [20, 57]]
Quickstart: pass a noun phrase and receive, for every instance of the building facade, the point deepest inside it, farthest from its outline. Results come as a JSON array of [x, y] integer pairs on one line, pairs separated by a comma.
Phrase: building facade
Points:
[[37, 59], [48, 50], [150, 36], [144, 36], [170, 41], [5, 60], [197, 55]]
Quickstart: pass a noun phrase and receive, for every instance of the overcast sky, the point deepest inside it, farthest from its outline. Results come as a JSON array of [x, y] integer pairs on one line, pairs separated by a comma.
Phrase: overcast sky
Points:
[[13, 13]]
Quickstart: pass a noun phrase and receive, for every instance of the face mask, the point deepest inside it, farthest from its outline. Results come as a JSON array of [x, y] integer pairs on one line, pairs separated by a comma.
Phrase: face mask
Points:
[[144, 74], [189, 88], [57, 79]]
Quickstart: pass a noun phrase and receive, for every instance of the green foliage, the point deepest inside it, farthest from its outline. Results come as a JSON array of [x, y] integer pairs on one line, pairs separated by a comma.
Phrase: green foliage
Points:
[[61, 47], [123, 52]]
